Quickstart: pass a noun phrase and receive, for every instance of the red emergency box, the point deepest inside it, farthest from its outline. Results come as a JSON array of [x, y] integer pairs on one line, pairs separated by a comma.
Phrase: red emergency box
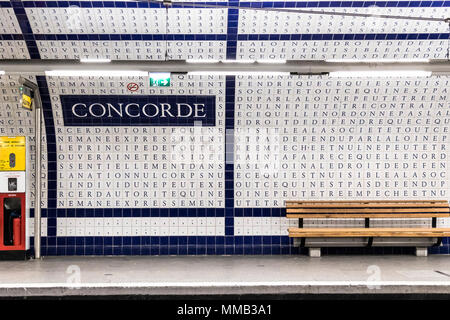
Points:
[[14, 204], [12, 222]]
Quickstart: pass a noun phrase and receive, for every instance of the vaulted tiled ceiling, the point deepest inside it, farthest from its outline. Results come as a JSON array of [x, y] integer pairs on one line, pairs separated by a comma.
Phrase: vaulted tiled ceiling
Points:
[[141, 30]]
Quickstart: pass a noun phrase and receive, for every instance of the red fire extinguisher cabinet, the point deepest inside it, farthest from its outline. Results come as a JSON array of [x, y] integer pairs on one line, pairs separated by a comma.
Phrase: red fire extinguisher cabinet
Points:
[[12, 222]]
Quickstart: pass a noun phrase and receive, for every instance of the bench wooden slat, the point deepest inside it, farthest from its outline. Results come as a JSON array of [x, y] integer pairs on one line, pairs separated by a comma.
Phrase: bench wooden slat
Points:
[[366, 215], [368, 232], [368, 210], [367, 205]]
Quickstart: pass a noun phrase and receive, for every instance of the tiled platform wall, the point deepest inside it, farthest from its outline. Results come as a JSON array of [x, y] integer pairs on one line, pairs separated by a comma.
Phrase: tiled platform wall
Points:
[[190, 190], [139, 188]]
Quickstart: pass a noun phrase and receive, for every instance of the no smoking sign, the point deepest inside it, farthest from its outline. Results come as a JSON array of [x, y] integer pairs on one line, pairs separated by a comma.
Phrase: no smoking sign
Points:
[[132, 87]]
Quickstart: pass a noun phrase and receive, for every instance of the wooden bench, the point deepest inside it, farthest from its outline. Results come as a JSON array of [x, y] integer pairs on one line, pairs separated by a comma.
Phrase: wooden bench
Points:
[[368, 209]]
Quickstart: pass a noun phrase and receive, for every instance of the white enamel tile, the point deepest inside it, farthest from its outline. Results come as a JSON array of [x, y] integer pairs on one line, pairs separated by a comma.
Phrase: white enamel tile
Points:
[[342, 49], [76, 20], [121, 227], [317, 143], [253, 226], [132, 50], [274, 22], [10, 49], [197, 21], [43, 227], [8, 22]]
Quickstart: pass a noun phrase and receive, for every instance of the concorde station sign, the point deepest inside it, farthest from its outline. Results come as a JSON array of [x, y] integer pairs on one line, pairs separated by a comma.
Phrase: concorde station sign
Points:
[[134, 110]]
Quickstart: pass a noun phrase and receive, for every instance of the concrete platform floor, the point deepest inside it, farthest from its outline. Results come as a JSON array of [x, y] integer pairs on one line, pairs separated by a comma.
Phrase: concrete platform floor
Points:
[[225, 275]]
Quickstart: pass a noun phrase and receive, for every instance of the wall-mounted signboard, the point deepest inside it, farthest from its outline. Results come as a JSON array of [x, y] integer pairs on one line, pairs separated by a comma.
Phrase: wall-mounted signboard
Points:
[[26, 97], [12, 153], [160, 79], [138, 110]]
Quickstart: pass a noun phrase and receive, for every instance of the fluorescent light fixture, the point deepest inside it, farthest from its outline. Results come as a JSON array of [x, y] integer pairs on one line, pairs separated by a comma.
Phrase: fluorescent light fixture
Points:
[[96, 73], [238, 73], [377, 60], [380, 74], [159, 75], [2, 72], [271, 61], [202, 61], [238, 61], [95, 60]]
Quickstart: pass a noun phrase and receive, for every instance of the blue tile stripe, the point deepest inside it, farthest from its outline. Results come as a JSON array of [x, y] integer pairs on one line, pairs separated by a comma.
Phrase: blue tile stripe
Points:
[[10, 37], [52, 186], [129, 37], [260, 212], [136, 212], [231, 44], [164, 245], [343, 4], [5, 4], [232, 30], [358, 36], [230, 92], [256, 4], [228, 212], [199, 245], [114, 4]]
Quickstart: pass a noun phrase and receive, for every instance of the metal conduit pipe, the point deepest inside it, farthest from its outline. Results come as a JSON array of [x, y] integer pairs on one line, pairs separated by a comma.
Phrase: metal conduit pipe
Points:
[[37, 158], [438, 67]]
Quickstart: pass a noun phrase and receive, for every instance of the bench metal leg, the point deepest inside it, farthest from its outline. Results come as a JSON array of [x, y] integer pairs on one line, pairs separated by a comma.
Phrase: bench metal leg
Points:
[[421, 251], [438, 242], [314, 252]]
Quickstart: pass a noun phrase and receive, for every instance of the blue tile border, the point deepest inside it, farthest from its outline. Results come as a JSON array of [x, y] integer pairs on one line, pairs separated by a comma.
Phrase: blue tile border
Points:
[[135, 212], [343, 4], [200, 245], [52, 186], [11, 37], [228, 211], [168, 245], [341, 36], [231, 44], [115, 4], [73, 118], [131, 37], [230, 92], [232, 30]]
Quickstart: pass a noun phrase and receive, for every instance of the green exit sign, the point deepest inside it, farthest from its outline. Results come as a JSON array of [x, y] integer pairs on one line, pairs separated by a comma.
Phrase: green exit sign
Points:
[[159, 79]]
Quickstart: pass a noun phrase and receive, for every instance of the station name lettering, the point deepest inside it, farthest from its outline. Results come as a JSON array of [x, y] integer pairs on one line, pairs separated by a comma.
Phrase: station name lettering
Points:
[[134, 110], [138, 110]]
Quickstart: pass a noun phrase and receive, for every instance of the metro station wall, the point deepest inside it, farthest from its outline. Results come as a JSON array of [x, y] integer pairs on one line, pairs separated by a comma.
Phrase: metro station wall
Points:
[[113, 186]]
